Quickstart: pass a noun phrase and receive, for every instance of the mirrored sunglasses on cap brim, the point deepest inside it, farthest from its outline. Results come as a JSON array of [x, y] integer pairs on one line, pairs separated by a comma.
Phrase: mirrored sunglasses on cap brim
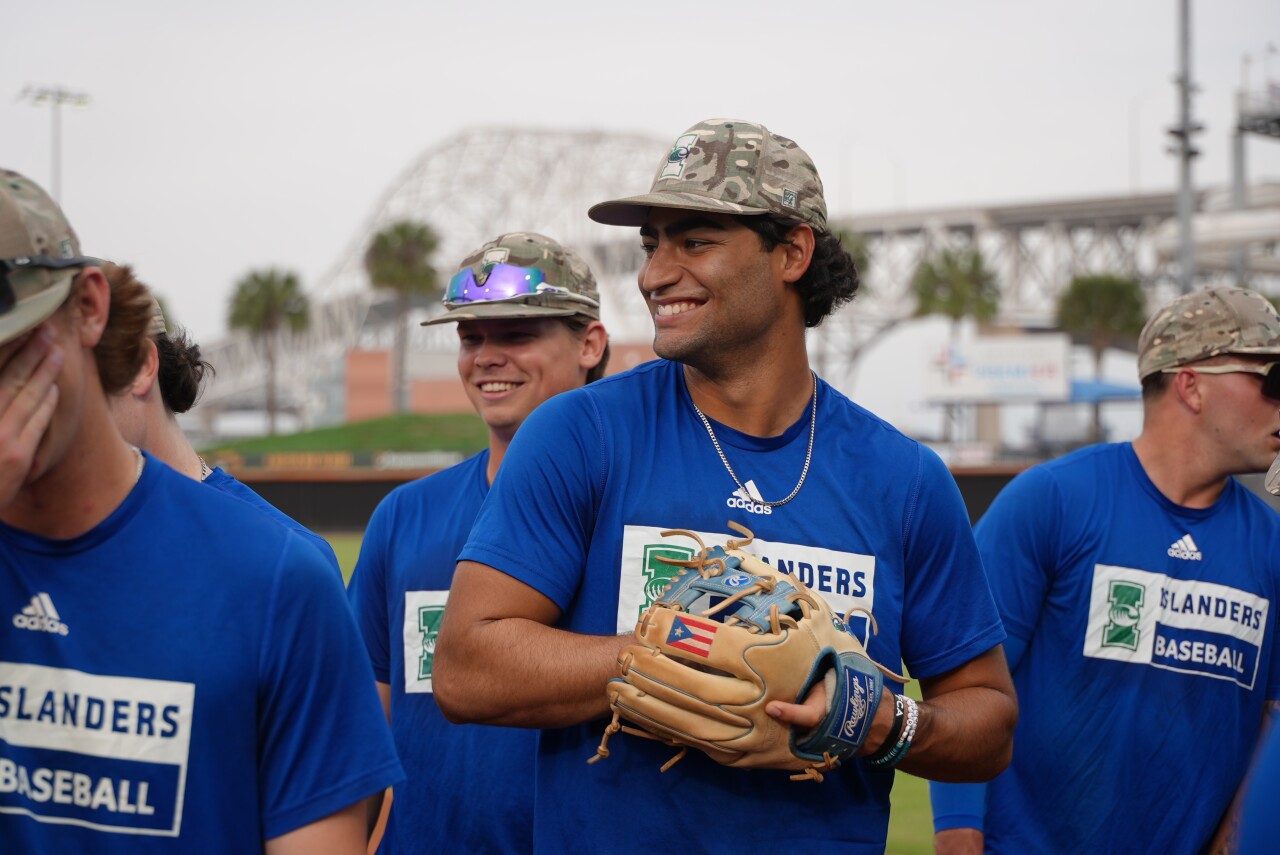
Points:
[[9, 266], [506, 282]]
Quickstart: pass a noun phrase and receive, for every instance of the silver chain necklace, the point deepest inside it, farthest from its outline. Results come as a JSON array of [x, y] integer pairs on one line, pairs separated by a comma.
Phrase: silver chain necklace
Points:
[[808, 455]]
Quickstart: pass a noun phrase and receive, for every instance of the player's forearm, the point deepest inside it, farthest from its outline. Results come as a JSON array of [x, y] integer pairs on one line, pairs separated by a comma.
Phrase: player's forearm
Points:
[[521, 673], [965, 731]]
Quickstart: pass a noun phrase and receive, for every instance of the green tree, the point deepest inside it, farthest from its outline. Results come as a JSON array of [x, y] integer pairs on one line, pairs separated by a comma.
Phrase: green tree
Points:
[[399, 259], [264, 303], [958, 284], [1102, 310]]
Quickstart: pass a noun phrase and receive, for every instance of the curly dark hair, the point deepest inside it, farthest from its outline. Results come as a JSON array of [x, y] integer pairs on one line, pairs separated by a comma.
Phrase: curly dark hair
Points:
[[181, 370], [831, 280]]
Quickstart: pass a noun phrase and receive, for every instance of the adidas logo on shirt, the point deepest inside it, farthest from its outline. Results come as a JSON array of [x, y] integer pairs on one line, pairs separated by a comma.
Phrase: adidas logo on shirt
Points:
[[41, 616], [749, 500], [1185, 548]]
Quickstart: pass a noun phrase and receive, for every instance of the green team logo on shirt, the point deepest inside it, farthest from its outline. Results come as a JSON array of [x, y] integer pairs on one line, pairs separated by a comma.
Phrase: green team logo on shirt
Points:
[[1126, 600], [429, 618], [658, 573]]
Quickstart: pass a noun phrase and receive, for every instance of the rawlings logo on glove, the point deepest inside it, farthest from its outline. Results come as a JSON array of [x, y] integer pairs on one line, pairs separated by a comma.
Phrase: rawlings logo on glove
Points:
[[728, 635]]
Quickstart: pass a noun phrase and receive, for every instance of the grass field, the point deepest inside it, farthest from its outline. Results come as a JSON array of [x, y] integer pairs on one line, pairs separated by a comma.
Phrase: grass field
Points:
[[910, 821]]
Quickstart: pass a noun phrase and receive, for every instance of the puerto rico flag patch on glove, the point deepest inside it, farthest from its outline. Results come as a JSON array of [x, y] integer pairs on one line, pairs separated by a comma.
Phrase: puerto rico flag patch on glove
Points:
[[692, 635]]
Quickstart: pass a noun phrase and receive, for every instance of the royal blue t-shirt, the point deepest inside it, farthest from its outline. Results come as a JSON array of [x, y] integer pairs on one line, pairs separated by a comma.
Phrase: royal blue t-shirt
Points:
[[468, 788], [220, 480], [1149, 655], [590, 481], [185, 677]]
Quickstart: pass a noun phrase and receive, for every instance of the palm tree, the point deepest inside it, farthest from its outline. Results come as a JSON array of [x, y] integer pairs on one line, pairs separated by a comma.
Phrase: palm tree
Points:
[[264, 302], [399, 258], [1102, 309], [958, 284]]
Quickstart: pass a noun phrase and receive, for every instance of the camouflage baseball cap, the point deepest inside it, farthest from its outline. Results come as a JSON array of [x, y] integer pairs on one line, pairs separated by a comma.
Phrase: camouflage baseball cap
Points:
[[39, 255], [157, 326], [1208, 323], [566, 287], [727, 166]]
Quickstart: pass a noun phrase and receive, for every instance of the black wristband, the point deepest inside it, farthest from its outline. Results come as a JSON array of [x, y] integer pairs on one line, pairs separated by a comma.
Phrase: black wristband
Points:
[[895, 730]]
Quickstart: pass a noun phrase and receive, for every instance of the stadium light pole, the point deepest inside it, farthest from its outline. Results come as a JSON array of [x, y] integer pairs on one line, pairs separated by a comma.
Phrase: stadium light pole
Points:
[[55, 97], [1185, 151]]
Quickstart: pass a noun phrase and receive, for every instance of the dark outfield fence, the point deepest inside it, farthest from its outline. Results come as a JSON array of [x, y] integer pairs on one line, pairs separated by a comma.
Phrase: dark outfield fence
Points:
[[344, 499]]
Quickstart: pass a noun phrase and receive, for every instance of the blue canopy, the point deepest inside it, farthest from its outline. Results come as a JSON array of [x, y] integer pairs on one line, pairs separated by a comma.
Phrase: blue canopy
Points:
[[1092, 391]]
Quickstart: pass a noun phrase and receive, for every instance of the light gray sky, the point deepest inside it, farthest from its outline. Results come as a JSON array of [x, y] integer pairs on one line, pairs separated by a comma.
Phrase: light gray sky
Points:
[[233, 135]]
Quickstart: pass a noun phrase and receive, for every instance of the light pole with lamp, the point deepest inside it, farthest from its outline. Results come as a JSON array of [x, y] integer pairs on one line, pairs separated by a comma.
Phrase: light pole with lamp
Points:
[[55, 97]]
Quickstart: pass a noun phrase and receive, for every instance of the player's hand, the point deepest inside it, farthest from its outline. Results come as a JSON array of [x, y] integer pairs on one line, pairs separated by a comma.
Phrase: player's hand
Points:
[[809, 714], [29, 366], [803, 716], [958, 841]]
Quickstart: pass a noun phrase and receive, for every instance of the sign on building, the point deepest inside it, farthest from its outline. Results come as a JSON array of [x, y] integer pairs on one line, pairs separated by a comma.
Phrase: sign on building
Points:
[[1001, 368]]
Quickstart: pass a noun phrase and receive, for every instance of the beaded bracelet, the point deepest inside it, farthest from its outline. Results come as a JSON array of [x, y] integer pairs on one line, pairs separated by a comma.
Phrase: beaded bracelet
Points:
[[903, 743], [895, 730]]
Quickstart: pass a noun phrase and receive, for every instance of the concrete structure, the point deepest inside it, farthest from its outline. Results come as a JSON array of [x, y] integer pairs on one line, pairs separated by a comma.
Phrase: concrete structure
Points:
[[485, 181]]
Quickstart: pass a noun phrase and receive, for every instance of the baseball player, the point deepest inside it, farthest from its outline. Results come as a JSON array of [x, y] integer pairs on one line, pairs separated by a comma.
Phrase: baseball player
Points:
[[731, 424], [527, 311], [167, 372], [1137, 583], [177, 672]]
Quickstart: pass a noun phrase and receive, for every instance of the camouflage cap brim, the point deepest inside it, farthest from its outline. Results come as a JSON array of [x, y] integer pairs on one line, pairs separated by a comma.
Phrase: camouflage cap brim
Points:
[[46, 292], [495, 310], [634, 210]]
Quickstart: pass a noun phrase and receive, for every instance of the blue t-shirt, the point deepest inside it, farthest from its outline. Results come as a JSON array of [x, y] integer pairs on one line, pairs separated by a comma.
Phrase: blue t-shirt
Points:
[[1259, 819], [468, 788], [185, 677], [1149, 655], [590, 481], [220, 480]]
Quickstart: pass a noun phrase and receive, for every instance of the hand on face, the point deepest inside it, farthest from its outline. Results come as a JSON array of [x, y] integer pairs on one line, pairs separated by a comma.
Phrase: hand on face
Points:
[[29, 366]]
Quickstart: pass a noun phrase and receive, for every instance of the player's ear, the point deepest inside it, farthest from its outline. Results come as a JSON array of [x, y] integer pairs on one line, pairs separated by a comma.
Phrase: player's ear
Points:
[[795, 254], [145, 380], [91, 300], [592, 343], [1186, 385]]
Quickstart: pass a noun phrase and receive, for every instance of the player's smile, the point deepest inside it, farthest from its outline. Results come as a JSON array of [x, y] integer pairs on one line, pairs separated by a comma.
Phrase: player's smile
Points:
[[497, 387], [705, 274], [510, 365], [670, 309]]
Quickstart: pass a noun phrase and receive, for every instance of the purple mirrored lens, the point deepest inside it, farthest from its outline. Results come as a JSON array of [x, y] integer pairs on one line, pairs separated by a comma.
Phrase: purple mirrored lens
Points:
[[503, 282]]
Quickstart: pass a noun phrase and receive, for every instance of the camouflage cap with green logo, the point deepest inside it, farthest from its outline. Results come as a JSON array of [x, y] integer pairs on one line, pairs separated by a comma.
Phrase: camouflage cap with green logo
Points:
[[727, 166], [573, 289], [39, 255], [1211, 322]]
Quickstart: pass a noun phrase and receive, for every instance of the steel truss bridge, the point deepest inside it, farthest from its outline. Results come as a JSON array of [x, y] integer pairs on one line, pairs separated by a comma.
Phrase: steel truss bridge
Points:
[[489, 180]]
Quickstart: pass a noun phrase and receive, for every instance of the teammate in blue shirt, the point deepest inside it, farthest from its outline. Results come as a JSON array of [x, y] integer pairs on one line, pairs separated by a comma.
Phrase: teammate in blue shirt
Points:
[[178, 673], [1137, 583], [167, 375], [528, 318], [731, 424]]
